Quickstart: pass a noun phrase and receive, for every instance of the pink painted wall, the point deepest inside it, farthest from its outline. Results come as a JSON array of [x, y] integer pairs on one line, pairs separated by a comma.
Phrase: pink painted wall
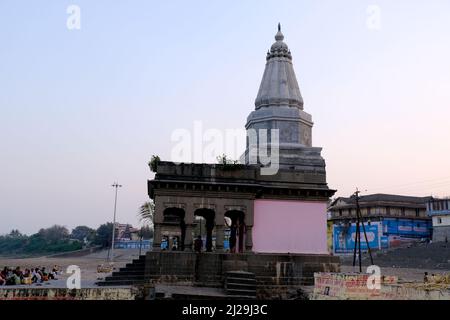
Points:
[[290, 226]]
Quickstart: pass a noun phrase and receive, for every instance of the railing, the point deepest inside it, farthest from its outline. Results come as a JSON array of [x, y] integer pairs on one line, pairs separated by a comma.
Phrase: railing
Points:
[[438, 212]]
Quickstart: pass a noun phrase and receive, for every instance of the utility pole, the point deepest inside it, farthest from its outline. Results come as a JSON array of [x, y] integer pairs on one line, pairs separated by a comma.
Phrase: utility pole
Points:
[[358, 234], [116, 186], [357, 240], [358, 212]]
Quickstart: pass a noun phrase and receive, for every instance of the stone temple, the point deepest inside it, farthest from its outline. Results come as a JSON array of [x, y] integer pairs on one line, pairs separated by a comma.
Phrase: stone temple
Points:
[[272, 226]]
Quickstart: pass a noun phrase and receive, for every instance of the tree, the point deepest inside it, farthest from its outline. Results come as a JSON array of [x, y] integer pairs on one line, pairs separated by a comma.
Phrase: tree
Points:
[[83, 232], [54, 233], [49, 240], [146, 232], [15, 233], [103, 235], [146, 212]]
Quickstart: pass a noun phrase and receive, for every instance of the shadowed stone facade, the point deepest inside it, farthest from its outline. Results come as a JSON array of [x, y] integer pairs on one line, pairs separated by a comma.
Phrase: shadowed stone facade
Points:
[[224, 189]]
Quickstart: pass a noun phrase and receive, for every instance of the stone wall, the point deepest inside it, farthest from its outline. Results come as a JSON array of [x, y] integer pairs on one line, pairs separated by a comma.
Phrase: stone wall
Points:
[[353, 286], [68, 294], [208, 269], [441, 233]]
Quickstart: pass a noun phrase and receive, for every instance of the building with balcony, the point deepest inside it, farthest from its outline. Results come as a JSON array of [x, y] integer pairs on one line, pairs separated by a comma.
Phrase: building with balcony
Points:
[[390, 220], [439, 211]]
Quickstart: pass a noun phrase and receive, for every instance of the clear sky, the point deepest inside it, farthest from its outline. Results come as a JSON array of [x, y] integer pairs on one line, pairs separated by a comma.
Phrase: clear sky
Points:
[[80, 109]]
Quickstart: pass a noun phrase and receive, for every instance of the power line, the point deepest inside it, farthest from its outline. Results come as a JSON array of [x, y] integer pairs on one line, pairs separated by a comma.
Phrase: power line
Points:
[[410, 184]]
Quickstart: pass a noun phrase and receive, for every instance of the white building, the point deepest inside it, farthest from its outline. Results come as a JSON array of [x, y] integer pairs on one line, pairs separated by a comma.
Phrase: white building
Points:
[[439, 211]]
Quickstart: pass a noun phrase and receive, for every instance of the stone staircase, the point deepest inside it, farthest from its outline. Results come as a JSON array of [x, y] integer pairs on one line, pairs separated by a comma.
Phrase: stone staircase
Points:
[[131, 274], [240, 284]]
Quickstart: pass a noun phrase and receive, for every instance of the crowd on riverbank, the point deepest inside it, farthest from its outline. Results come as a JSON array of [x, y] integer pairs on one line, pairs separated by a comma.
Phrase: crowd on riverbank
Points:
[[18, 276]]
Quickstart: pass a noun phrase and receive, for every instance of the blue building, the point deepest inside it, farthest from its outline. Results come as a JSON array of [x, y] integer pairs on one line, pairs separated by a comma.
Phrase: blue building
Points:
[[390, 220], [133, 244]]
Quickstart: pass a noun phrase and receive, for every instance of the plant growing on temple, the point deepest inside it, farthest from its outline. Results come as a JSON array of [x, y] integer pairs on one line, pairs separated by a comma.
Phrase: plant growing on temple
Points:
[[146, 212], [228, 164], [222, 159], [153, 163]]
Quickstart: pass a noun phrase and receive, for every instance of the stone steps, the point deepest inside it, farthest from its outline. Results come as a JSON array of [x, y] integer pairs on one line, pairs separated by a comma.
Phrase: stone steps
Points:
[[241, 284], [242, 293], [241, 280], [116, 283], [135, 264], [125, 277], [127, 272], [132, 274]]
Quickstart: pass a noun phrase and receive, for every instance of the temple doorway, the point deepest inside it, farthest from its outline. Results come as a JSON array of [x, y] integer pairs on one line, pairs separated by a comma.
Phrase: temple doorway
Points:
[[175, 217], [206, 222], [235, 221]]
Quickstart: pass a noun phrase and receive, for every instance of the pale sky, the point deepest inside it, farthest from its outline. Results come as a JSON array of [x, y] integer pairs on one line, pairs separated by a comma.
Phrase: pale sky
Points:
[[80, 109]]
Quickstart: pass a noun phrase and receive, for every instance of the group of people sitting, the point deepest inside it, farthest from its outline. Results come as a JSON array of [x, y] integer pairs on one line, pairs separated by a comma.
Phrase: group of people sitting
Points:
[[17, 276]]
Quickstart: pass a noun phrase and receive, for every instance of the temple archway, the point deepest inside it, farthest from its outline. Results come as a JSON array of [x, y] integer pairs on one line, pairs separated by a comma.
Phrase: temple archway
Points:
[[235, 221], [175, 217], [207, 218]]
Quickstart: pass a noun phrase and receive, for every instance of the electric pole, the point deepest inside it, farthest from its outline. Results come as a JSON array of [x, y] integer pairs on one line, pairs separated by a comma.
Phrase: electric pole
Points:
[[359, 221], [358, 212], [116, 186]]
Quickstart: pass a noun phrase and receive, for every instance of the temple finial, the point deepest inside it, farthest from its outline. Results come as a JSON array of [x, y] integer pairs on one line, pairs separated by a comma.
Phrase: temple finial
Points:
[[279, 36]]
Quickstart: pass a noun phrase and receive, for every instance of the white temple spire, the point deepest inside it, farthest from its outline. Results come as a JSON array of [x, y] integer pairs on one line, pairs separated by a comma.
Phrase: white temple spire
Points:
[[279, 84]]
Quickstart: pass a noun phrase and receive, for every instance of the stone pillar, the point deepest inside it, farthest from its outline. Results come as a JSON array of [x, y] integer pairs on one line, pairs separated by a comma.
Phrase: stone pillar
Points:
[[157, 237], [219, 237], [188, 238], [248, 239]]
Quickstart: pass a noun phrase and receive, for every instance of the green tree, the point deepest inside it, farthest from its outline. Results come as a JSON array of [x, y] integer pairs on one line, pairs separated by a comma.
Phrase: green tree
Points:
[[13, 243], [50, 240], [146, 232], [103, 235], [54, 233], [15, 233], [83, 232]]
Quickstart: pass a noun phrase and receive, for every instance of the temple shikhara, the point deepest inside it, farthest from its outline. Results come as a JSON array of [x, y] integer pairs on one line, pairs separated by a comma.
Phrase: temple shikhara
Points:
[[270, 224]]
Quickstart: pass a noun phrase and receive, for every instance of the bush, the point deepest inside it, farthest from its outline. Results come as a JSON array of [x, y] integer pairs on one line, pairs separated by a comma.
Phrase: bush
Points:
[[153, 163]]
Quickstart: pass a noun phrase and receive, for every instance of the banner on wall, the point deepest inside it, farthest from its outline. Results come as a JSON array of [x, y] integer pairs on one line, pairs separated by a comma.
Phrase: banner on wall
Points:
[[407, 227], [344, 238]]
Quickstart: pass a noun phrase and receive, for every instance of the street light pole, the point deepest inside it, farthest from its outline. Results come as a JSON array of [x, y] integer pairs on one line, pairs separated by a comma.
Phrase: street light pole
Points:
[[117, 186]]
